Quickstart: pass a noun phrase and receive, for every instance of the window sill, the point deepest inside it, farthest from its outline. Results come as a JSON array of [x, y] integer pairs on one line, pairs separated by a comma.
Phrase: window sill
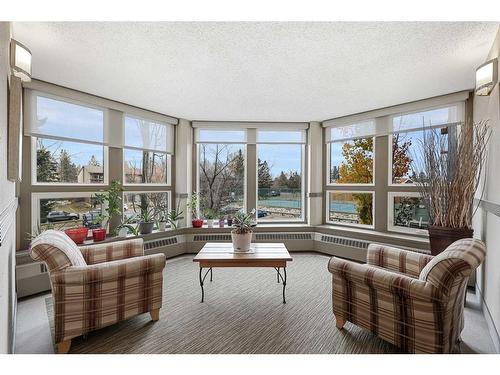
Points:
[[372, 232]]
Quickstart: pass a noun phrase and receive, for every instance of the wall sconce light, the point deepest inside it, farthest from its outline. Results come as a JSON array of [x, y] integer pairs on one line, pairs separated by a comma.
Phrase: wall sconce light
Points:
[[486, 77], [20, 60]]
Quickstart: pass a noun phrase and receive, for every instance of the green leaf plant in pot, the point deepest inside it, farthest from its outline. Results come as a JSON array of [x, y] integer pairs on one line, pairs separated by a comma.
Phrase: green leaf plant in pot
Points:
[[174, 216], [449, 173], [241, 235], [111, 199], [210, 215], [192, 205], [146, 220], [128, 225]]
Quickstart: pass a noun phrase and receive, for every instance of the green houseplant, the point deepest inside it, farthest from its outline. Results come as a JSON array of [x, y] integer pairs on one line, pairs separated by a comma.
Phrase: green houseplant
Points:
[[450, 172], [174, 216], [210, 215], [192, 205], [112, 200], [241, 235], [146, 219]]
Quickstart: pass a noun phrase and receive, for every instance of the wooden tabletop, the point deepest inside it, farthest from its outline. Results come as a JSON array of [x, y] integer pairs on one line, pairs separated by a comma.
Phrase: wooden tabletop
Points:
[[222, 251]]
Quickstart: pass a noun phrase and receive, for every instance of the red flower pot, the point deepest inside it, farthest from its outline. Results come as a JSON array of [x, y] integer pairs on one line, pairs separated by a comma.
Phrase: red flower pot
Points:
[[197, 223], [78, 235], [99, 234]]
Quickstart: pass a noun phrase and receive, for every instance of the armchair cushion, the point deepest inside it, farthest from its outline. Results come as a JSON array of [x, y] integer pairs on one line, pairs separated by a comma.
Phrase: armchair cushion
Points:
[[57, 250], [107, 252], [398, 260]]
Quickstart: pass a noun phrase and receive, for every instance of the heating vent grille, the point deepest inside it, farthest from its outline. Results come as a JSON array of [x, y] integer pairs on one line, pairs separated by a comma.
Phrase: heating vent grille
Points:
[[345, 242], [282, 236], [212, 237], [160, 243]]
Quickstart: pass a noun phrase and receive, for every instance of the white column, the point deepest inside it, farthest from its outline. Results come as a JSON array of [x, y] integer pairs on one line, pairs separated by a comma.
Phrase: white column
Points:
[[183, 167], [315, 173]]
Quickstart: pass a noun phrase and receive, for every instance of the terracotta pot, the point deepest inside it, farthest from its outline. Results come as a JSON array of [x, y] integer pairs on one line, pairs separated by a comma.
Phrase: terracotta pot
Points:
[[78, 235], [197, 223], [442, 237], [241, 242], [99, 234]]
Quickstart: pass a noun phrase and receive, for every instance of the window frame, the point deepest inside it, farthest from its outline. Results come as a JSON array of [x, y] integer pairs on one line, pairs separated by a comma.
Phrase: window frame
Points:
[[196, 160], [327, 209], [390, 214], [303, 155], [328, 168], [37, 196], [34, 175]]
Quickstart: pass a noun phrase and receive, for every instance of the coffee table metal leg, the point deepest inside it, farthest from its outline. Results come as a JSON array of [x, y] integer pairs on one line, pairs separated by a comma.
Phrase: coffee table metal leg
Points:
[[277, 274], [211, 272], [284, 284], [201, 284]]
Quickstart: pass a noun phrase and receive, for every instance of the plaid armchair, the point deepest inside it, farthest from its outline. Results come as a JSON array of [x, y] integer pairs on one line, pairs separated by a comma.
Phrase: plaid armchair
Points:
[[412, 300], [98, 285]]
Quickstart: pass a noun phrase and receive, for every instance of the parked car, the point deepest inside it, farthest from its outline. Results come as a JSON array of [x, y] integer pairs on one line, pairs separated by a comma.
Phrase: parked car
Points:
[[61, 216], [262, 213], [275, 193], [89, 217]]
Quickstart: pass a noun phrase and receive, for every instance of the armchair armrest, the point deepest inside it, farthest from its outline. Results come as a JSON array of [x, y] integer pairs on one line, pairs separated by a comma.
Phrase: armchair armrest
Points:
[[381, 279], [392, 258], [110, 271], [107, 252]]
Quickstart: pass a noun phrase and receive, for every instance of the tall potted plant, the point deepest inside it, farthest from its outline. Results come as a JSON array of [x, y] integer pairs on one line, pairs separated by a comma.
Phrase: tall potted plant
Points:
[[113, 199], [450, 173], [241, 235]]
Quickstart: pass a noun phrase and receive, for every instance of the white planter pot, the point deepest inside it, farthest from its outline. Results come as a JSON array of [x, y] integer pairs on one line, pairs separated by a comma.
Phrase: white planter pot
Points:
[[241, 242], [123, 232], [210, 223], [162, 226]]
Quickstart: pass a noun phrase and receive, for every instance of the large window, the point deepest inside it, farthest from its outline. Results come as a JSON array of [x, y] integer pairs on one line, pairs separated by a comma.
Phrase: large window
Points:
[[221, 179], [407, 212], [68, 142], [146, 154], [280, 175], [350, 207], [64, 210], [136, 204]]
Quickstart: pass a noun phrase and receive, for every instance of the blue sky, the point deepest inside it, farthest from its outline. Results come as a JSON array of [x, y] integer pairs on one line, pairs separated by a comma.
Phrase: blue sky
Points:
[[281, 157]]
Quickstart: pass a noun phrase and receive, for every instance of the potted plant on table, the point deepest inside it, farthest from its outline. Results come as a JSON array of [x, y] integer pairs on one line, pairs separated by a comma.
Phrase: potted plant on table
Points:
[[192, 205], [112, 200], [241, 235], [451, 171]]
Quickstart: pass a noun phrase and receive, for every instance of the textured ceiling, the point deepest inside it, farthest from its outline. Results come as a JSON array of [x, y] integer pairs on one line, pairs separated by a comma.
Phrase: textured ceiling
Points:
[[259, 71]]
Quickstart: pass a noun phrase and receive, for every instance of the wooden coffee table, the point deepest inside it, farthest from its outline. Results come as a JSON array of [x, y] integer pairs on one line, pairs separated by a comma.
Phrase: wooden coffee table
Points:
[[217, 254]]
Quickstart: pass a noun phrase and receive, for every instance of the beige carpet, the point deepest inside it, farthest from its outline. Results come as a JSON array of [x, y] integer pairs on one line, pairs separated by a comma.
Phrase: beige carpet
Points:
[[242, 313]]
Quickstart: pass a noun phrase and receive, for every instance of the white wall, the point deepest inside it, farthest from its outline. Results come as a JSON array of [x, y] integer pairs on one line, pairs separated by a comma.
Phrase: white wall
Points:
[[7, 194], [486, 221]]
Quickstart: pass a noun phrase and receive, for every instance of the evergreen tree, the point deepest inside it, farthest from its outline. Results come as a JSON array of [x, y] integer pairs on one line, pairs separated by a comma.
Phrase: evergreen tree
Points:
[[281, 181], [265, 178], [68, 171], [93, 161], [46, 166], [294, 181]]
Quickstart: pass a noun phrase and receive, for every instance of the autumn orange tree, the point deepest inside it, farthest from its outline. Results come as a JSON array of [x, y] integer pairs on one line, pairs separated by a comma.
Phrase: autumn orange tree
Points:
[[357, 168]]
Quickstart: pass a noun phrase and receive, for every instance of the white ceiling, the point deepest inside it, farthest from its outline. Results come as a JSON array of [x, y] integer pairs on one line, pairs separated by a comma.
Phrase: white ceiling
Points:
[[259, 71]]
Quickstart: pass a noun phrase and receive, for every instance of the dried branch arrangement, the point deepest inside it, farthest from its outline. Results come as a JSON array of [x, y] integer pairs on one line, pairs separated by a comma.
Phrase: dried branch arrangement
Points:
[[449, 173]]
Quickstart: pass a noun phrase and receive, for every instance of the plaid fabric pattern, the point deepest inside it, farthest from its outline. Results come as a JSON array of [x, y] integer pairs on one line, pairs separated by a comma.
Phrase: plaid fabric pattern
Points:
[[89, 297], [57, 250], [394, 259], [107, 252], [417, 314]]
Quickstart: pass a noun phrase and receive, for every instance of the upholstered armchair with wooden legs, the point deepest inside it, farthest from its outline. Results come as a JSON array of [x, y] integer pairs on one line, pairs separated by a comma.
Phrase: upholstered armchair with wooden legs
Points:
[[412, 300], [98, 285]]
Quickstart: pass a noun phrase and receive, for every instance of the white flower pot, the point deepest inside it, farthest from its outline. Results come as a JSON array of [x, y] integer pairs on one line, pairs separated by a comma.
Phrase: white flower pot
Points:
[[241, 242], [123, 232], [162, 226], [210, 223]]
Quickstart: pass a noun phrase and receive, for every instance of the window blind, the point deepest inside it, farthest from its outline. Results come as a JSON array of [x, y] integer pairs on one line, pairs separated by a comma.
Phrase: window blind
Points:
[[220, 136], [281, 136], [148, 135]]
